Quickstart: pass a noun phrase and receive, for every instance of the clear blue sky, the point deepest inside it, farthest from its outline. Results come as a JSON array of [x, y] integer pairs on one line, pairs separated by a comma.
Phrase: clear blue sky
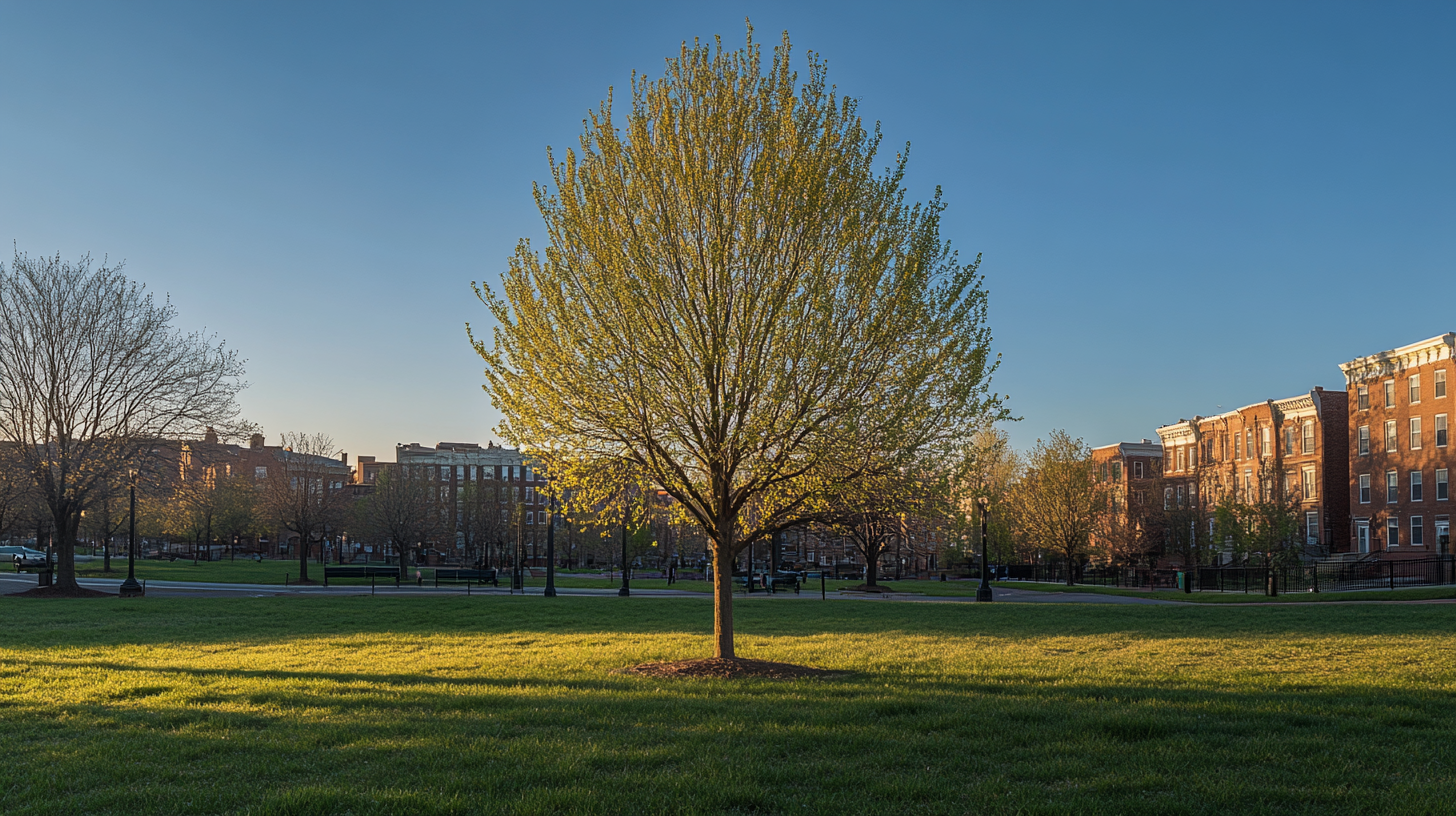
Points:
[[1180, 205]]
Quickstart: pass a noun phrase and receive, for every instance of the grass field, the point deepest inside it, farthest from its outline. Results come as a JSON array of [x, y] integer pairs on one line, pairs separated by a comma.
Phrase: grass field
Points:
[[507, 705]]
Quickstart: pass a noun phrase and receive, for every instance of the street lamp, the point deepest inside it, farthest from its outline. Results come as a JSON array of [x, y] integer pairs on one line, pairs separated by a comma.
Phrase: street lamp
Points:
[[626, 590], [130, 588], [550, 591], [983, 592]]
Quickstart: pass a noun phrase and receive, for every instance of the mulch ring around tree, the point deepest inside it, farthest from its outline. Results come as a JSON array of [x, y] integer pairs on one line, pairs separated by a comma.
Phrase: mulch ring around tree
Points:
[[61, 592], [728, 668]]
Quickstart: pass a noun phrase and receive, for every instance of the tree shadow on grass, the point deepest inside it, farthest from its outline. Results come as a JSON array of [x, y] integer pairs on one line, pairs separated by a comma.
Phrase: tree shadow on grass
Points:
[[299, 741]]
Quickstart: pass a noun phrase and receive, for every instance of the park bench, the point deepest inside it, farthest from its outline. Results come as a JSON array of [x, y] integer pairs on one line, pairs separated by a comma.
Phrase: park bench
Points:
[[361, 572], [466, 576], [786, 581]]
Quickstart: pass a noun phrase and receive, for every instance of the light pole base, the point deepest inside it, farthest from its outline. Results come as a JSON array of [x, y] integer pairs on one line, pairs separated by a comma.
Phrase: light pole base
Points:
[[130, 589], [983, 593]]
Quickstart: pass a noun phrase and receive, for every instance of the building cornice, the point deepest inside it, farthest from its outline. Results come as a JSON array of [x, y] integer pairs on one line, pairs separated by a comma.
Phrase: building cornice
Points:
[[1386, 363]]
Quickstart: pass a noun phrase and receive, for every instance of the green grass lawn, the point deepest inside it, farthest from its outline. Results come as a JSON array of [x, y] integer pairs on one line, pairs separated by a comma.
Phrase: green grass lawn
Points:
[[1412, 594], [499, 704], [241, 571]]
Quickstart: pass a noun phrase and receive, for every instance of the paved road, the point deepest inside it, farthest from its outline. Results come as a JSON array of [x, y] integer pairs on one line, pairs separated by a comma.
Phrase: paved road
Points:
[[162, 589]]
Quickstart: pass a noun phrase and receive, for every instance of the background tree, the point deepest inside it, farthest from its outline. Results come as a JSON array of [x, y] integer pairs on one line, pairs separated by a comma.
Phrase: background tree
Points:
[[403, 511], [734, 302], [1059, 501], [92, 374], [301, 492]]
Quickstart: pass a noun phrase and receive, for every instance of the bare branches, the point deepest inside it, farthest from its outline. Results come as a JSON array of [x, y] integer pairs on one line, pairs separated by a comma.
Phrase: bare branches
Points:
[[92, 376]]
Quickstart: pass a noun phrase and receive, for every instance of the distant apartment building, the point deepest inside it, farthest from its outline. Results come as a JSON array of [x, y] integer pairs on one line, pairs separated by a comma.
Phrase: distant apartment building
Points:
[[1297, 446], [454, 466], [1399, 406], [1131, 470]]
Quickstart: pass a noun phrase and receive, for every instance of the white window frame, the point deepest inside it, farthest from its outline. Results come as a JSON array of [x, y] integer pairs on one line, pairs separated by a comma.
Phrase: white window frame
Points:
[[1306, 437], [1441, 435], [1417, 531], [1417, 483], [1362, 398], [1265, 440], [1362, 536], [1415, 433], [1392, 439], [1413, 384], [1362, 440], [1389, 393], [1392, 486], [1443, 485], [1392, 532], [1440, 387], [1363, 496], [1307, 482], [1311, 526], [1137, 468]]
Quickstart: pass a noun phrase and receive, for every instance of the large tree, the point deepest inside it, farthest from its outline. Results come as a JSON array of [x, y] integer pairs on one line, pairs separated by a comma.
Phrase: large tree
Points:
[[733, 301], [1059, 501], [92, 376]]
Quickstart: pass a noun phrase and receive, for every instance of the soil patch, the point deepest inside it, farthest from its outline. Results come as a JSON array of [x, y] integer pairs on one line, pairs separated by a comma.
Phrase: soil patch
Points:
[[868, 588], [61, 592], [727, 667]]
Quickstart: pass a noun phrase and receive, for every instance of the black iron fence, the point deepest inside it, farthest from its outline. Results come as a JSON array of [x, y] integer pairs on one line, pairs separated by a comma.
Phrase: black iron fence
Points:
[[1327, 576]]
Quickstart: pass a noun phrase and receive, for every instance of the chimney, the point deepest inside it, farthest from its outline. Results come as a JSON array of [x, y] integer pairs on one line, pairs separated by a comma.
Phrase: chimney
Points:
[[210, 436], [344, 457], [255, 441]]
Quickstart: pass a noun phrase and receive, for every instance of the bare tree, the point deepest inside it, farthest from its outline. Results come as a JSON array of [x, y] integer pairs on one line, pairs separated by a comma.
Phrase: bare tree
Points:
[[402, 511], [305, 491], [92, 375]]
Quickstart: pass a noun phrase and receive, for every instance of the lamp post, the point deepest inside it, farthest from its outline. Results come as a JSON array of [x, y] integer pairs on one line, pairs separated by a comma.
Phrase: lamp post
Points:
[[983, 592], [130, 588], [626, 589], [550, 591]]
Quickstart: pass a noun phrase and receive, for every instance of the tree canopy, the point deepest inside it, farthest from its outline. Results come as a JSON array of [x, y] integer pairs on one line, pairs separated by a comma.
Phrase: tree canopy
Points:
[[734, 302]]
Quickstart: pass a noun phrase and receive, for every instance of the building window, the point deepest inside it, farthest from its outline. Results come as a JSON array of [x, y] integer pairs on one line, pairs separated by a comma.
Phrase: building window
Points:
[[1441, 489], [516, 495], [1415, 388], [1137, 469], [1288, 488], [1289, 439], [1238, 446], [1389, 393], [1364, 488], [1249, 443], [528, 474], [1362, 536], [1390, 441], [1392, 532], [1248, 484], [1440, 430], [1307, 477], [1180, 458], [1440, 383], [1418, 532], [1362, 440], [1311, 527], [1117, 471], [530, 518], [1264, 441], [1307, 441], [1415, 485], [1415, 433], [1167, 498], [1392, 487], [1362, 397], [1180, 495]]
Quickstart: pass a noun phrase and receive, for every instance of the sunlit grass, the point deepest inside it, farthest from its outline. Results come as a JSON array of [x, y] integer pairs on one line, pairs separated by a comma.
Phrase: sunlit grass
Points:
[[500, 704]]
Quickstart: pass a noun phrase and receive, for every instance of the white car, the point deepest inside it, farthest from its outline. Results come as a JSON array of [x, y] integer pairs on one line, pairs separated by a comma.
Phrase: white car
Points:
[[24, 557]]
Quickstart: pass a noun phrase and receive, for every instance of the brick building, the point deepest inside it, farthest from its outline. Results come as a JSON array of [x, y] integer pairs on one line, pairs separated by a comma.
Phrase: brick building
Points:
[[1298, 446], [1398, 486], [1131, 469]]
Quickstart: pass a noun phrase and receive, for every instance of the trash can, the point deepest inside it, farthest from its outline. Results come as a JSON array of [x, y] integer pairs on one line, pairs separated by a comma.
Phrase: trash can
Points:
[[46, 575], [1180, 579]]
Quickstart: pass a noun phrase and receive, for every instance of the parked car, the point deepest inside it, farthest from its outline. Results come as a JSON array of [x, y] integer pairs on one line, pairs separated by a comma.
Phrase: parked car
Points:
[[24, 557]]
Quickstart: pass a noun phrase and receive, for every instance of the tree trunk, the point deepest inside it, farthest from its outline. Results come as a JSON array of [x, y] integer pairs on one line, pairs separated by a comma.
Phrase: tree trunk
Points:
[[63, 540], [302, 557], [1070, 582], [872, 567], [722, 601]]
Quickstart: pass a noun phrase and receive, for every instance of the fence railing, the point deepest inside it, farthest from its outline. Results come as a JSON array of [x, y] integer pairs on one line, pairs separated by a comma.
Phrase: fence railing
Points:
[[1330, 576]]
